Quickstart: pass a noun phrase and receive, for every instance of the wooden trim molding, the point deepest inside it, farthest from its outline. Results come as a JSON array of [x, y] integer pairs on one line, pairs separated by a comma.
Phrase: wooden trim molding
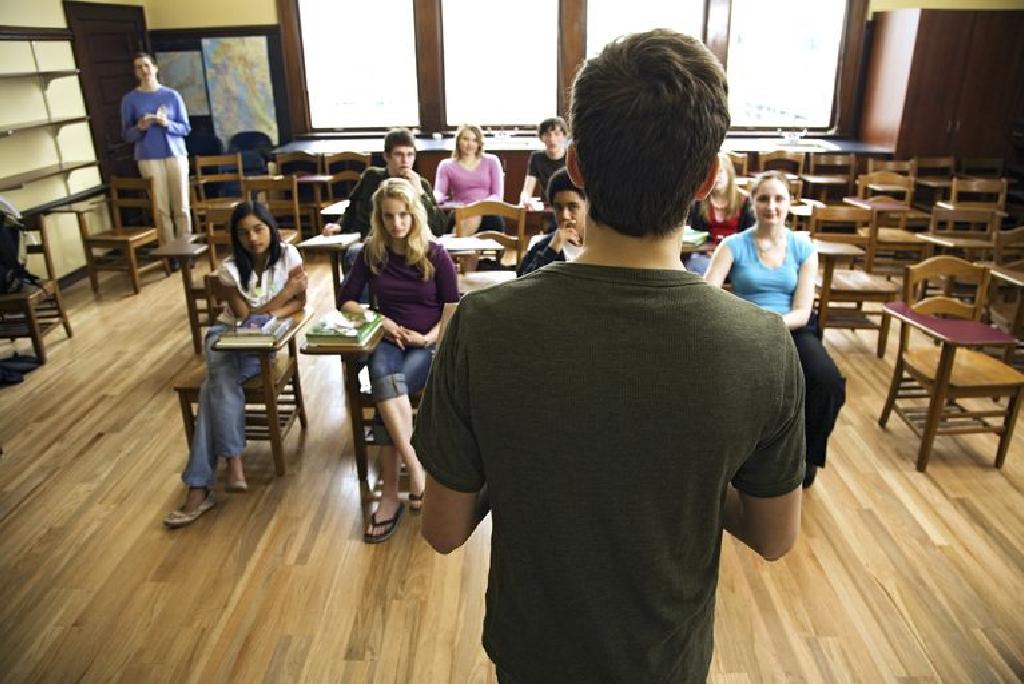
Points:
[[294, 67], [30, 33], [429, 33], [717, 17], [852, 61], [572, 48]]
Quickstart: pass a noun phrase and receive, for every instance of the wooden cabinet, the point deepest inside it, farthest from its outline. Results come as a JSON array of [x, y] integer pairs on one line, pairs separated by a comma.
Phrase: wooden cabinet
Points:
[[944, 82]]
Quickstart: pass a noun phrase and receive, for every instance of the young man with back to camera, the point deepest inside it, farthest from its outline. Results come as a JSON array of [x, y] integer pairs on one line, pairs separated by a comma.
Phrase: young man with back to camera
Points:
[[647, 411]]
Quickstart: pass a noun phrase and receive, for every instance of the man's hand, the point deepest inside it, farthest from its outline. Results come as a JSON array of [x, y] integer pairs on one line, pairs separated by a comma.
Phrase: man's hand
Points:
[[331, 229], [161, 119], [565, 234], [413, 178], [144, 123]]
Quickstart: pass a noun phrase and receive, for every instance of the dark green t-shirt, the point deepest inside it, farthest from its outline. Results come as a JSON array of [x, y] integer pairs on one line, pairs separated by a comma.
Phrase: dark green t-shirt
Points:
[[607, 409]]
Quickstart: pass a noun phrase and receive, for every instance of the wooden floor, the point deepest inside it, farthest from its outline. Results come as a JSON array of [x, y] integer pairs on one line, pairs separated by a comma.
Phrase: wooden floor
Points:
[[897, 575]]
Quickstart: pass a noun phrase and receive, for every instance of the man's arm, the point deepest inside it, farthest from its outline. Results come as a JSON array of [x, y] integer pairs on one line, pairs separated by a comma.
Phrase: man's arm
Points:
[[768, 525], [449, 517], [357, 216], [436, 219], [540, 255]]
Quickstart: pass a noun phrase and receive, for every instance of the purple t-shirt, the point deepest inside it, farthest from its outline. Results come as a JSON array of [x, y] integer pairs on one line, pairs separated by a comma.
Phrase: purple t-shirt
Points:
[[456, 183], [400, 291]]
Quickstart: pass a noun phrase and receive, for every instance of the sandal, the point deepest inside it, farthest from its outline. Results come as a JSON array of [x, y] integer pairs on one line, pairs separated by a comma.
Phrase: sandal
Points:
[[389, 525], [180, 518], [236, 486], [415, 502]]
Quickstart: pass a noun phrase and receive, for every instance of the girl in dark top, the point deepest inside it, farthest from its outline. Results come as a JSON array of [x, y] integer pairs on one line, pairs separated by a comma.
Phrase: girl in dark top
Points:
[[410, 280], [726, 211]]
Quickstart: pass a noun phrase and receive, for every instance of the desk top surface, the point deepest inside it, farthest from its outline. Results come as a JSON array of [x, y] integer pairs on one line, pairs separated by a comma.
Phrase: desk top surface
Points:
[[955, 331]]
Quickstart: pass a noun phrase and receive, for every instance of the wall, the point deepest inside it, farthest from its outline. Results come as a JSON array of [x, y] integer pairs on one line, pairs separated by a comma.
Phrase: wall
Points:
[[885, 5], [168, 14]]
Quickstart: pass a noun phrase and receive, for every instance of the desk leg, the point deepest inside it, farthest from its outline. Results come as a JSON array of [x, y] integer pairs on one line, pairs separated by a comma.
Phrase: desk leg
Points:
[[355, 417], [826, 293], [270, 402], [190, 304], [336, 274], [316, 219]]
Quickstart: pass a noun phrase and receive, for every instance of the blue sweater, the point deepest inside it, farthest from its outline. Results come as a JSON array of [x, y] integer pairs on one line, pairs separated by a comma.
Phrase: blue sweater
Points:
[[156, 142]]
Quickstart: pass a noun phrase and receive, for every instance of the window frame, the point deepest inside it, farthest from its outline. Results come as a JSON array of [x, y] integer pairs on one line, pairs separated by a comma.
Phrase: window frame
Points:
[[571, 53]]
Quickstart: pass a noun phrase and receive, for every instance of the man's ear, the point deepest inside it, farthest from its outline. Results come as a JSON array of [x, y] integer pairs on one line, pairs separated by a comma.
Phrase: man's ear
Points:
[[572, 165], [705, 188]]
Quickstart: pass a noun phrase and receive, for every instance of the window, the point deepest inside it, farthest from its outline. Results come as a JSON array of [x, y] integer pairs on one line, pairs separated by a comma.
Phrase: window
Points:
[[486, 81], [360, 61], [609, 19], [782, 72]]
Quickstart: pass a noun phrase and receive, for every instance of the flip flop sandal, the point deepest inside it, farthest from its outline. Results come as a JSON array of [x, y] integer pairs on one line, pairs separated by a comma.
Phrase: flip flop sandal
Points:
[[390, 525], [180, 518], [237, 486]]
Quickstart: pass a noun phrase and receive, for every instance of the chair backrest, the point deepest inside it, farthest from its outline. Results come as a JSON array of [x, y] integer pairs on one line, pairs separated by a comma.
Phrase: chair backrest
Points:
[[297, 163], [979, 193], [219, 175], [280, 194], [509, 242], [887, 183], [740, 162], [502, 209], [832, 165], [136, 196], [980, 224], [345, 169], [945, 273], [840, 224], [1009, 245], [932, 167], [904, 166], [254, 146], [198, 143], [796, 190], [982, 167], [782, 160]]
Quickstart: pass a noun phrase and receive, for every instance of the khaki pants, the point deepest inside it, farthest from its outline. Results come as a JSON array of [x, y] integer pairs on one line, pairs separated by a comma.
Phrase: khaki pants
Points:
[[170, 185]]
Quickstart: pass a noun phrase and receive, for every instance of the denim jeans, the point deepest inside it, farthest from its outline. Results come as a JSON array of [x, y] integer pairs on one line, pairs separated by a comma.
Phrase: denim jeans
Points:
[[396, 372], [220, 422]]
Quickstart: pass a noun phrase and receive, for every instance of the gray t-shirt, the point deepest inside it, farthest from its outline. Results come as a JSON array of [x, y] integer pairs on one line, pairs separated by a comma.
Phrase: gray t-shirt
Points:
[[607, 409]]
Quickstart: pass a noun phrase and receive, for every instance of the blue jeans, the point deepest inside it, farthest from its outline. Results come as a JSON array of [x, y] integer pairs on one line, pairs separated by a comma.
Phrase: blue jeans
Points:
[[396, 372], [220, 422]]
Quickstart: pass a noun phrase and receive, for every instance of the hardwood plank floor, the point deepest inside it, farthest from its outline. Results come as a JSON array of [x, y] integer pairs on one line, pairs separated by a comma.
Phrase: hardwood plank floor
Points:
[[897, 575]]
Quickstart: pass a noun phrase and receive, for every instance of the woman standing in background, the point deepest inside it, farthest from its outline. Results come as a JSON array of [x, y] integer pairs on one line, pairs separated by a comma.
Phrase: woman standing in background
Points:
[[153, 117]]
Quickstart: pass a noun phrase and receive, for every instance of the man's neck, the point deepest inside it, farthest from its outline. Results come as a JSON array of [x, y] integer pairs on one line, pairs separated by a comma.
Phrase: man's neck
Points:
[[556, 154], [605, 247]]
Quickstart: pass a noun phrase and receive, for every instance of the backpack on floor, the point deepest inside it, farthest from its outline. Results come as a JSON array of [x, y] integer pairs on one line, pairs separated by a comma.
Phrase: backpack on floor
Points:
[[13, 275]]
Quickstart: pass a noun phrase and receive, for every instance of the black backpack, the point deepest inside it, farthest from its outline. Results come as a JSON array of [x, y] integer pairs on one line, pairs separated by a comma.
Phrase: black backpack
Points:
[[13, 275]]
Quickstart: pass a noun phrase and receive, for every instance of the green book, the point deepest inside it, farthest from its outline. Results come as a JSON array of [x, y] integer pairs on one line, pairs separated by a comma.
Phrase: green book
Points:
[[694, 237], [337, 328]]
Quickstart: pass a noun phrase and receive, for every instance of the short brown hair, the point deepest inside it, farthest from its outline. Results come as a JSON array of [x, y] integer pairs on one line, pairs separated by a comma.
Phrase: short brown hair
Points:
[[551, 124], [398, 137], [648, 116]]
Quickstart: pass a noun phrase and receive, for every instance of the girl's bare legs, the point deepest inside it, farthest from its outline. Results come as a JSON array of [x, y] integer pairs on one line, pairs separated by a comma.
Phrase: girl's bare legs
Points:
[[397, 416]]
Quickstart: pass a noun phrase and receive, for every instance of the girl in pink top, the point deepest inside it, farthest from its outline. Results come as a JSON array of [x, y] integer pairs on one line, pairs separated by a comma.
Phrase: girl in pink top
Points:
[[470, 176]]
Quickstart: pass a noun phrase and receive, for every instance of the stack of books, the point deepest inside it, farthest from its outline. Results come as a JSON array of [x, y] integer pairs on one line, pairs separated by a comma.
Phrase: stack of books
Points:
[[694, 237], [337, 329], [255, 332]]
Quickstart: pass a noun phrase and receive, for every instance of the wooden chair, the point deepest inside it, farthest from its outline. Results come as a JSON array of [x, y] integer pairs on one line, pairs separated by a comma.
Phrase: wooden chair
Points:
[[513, 212], [131, 200], [741, 167], [850, 288], [942, 375], [35, 310], [968, 231], [1008, 245], [934, 175], [281, 196], [888, 236], [345, 169], [830, 171], [792, 163], [216, 185], [303, 164], [904, 166], [982, 167], [977, 193], [273, 398]]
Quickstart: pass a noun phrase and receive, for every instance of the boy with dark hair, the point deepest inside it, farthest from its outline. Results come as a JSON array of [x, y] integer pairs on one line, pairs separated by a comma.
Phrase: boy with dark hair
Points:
[[647, 412], [553, 133], [399, 155], [565, 242]]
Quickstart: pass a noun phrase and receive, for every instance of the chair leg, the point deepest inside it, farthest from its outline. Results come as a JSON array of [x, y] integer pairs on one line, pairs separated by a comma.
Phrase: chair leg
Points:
[[1010, 423], [90, 266], [270, 404], [32, 323], [935, 406], [133, 269], [350, 371], [300, 404], [883, 335], [894, 385], [58, 299], [187, 417]]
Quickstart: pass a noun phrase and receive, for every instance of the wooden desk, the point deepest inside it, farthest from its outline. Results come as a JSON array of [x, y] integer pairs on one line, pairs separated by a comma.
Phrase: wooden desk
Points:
[[336, 209], [953, 331], [963, 243], [877, 204], [824, 182], [481, 280], [334, 246], [352, 358], [462, 246], [186, 250]]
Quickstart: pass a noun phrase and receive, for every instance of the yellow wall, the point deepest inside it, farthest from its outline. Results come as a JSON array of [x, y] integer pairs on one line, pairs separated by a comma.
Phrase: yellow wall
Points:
[[883, 5], [43, 13], [167, 14]]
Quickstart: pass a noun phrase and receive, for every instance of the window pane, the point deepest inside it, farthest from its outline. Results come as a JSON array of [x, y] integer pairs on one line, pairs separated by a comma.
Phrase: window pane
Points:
[[360, 63], [486, 83], [609, 19], [782, 62]]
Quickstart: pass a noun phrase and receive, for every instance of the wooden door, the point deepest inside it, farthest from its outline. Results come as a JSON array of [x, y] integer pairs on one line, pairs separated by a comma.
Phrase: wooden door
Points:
[[106, 37], [992, 86], [933, 90]]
